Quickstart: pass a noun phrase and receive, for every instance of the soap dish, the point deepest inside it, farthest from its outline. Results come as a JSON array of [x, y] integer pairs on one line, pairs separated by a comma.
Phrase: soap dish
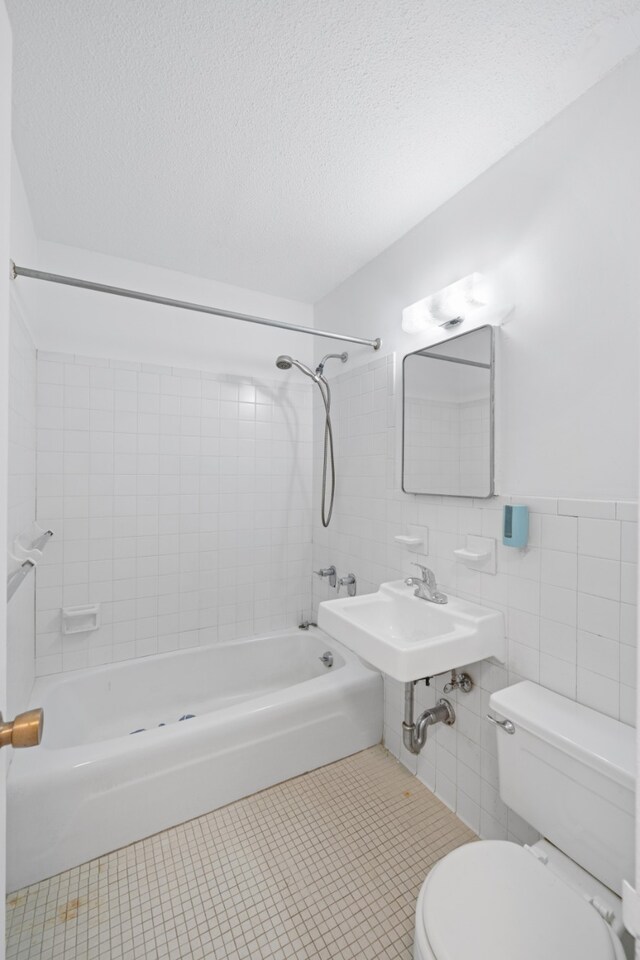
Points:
[[408, 541], [413, 538], [479, 553]]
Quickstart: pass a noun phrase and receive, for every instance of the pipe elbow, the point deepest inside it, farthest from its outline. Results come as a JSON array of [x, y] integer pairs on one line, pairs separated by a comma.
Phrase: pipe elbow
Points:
[[414, 735]]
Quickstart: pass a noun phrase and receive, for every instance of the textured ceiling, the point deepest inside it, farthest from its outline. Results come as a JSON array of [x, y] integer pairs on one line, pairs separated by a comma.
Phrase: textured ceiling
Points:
[[280, 144]]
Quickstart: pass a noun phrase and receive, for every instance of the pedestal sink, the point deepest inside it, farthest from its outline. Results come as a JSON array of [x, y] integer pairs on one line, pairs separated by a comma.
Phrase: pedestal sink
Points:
[[408, 638]]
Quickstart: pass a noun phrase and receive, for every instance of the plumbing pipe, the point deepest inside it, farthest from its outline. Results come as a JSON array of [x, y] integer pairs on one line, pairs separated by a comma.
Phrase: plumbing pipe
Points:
[[414, 733]]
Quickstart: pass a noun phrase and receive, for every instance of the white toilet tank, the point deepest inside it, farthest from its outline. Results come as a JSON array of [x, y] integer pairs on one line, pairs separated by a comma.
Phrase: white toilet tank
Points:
[[570, 772]]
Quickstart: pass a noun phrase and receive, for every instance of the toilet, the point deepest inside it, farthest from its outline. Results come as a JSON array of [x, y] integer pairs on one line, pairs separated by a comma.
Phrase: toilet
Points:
[[569, 772]]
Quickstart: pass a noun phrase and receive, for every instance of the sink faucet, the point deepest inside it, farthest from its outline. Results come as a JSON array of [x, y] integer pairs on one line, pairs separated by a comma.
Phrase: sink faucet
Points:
[[426, 588]]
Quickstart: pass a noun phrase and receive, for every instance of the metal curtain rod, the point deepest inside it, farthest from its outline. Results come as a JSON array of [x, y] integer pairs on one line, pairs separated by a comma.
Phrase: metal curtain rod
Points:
[[17, 271]]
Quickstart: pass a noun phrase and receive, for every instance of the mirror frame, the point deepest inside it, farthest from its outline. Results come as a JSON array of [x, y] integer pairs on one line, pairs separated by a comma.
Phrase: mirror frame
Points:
[[492, 400]]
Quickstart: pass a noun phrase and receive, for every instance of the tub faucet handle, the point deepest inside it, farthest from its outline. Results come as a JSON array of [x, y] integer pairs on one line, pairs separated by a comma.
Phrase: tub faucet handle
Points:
[[329, 572], [349, 582]]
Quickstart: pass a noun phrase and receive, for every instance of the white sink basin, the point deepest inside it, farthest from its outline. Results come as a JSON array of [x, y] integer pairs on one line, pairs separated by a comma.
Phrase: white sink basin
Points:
[[409, 638]]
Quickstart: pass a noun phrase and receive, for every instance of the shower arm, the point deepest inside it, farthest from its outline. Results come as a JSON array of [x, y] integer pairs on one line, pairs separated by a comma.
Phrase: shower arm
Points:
[[330, 356], [17, 271]]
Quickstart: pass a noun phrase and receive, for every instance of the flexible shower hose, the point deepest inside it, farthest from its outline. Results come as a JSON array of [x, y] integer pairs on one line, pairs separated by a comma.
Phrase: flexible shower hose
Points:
[[325, 392]]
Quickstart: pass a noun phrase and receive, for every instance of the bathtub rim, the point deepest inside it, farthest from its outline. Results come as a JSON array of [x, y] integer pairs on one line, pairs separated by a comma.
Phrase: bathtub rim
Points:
[[64, 676]]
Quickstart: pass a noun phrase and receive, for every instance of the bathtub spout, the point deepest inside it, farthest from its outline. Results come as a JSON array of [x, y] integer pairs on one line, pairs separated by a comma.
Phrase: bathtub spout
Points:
[[414, 733]]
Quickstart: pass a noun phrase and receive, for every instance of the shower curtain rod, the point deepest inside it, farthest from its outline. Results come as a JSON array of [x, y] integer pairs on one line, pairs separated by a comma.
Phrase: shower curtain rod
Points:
[[17, 271]]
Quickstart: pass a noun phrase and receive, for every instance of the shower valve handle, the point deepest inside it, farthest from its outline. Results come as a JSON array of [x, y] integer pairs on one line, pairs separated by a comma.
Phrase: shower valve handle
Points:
[[329, 572], [349, 582]]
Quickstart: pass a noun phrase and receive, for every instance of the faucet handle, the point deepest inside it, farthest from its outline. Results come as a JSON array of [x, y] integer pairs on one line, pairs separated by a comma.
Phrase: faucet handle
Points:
[[428, 575], [329, 572], [349, 582]]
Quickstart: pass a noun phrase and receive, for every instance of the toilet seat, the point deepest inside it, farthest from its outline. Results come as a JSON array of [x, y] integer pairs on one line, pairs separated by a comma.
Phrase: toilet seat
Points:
[[493, 900]]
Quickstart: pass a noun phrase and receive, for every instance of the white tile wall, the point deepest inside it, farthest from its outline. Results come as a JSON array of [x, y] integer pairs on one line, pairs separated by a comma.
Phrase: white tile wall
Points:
[[446, 445], [181, 503], [21, 506], [569, 599], [431, 444]]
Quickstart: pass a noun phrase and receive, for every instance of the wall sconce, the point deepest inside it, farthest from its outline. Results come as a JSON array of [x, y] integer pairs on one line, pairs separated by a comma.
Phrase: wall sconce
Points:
[[449, 307]]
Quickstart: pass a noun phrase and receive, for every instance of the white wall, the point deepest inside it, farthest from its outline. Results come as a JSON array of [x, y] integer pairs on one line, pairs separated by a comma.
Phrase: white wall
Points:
[[5, 242], [21, 510], [98, 325], [555, 224], [22, 450]]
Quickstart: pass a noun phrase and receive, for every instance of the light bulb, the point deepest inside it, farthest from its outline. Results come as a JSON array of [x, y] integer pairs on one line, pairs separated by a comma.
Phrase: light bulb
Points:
[[458, 301]]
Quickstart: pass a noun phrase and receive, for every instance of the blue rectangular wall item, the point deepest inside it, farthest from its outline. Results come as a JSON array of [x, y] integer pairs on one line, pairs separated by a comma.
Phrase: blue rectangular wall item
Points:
[[515, 529]]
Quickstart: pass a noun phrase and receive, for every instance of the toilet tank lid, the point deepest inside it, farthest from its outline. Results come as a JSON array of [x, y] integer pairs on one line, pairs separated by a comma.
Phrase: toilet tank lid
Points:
[[598, 741]]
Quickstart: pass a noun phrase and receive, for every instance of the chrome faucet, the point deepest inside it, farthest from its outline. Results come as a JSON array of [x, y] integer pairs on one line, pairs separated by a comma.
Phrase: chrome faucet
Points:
[[427, 587]]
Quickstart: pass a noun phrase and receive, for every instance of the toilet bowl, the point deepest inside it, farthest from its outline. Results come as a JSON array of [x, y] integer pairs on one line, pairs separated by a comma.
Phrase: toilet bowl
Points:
[[569, 772], [495, 900]]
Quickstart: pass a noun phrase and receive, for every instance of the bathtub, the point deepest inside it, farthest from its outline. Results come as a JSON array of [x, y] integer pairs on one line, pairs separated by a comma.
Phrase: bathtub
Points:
[[133, 748]]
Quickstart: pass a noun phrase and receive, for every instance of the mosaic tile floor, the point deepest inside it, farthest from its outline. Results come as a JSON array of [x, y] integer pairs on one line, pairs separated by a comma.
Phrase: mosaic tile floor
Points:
[[325, 866]]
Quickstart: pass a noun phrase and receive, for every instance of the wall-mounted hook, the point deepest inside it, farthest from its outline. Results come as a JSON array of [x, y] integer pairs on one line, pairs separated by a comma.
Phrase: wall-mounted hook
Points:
[[22, 559], [21, 553], [42, 537], [15, 579]]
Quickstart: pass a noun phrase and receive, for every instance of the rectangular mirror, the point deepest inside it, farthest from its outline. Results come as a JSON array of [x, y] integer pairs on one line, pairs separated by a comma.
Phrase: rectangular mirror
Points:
[[447, 424]]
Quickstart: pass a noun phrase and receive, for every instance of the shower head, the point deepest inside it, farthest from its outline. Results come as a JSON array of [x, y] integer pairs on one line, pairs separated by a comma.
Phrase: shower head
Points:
[[283, 362]]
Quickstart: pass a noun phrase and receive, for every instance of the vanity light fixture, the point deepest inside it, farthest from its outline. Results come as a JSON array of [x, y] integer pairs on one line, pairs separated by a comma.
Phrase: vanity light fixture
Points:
[[448, 307]]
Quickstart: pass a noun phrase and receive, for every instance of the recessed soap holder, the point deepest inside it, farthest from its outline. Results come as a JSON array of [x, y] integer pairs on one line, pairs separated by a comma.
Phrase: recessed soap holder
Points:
[[82, 619], [415, 539], [479, 553]]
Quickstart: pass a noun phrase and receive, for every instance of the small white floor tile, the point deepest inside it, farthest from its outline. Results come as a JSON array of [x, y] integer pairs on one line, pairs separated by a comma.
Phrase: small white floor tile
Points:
[[324, 866]]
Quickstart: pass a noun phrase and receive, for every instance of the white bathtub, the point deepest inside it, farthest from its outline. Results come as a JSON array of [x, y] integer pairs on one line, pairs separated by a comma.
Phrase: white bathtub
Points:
[[266, 709]]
